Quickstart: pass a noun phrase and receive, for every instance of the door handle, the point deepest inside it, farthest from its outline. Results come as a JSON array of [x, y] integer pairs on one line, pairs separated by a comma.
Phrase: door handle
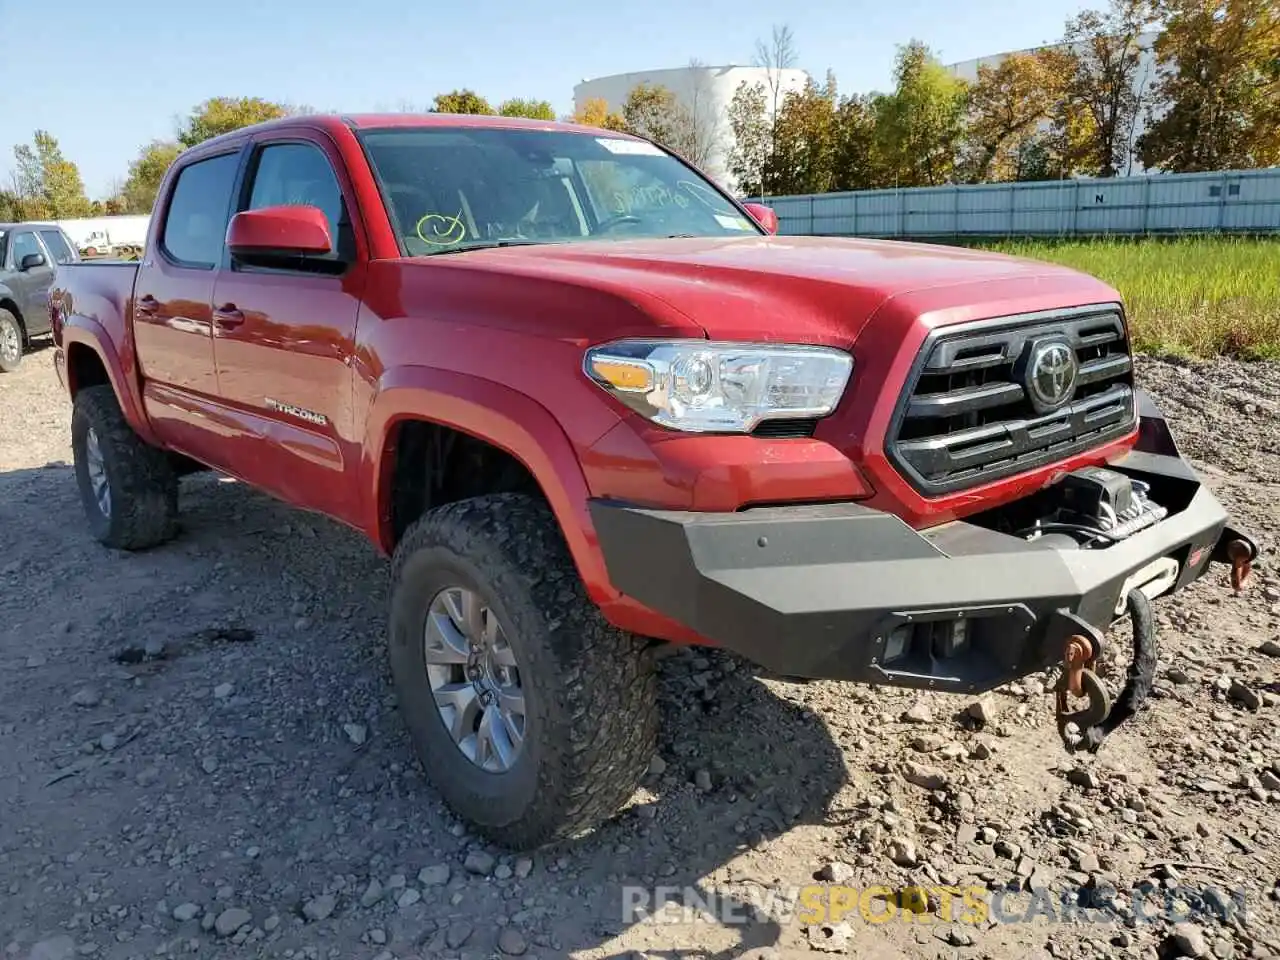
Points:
[[227, 316], [146, 306]]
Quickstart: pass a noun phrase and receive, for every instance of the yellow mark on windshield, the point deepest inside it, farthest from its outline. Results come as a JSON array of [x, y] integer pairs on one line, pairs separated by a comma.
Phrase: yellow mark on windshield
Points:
[[439, 230]]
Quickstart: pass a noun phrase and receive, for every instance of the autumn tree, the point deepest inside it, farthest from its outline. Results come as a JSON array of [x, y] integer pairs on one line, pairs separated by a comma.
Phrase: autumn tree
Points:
[[1219, 92], [146, 173], [460, 101], [1007, 108], [919, 126], [804, 158], [219, 115], [752, 148], [595, 112], [532, 109], [853, 152], [46, 185], [1107, 57], [775, 56]]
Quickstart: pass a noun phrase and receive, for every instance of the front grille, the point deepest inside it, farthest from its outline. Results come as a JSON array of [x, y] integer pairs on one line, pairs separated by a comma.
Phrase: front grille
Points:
[[966, 417], [784, 429]]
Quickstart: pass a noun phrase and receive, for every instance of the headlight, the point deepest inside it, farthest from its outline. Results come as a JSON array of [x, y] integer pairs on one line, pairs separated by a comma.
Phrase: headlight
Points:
[[704, 386]]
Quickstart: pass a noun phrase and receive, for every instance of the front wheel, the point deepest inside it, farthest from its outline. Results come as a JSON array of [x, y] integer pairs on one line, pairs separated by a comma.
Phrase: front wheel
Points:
[[534, 718], [10, 342], [128, 488]]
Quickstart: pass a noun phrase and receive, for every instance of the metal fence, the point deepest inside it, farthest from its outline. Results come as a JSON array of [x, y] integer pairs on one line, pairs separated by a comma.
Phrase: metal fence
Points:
[[1233, 201]]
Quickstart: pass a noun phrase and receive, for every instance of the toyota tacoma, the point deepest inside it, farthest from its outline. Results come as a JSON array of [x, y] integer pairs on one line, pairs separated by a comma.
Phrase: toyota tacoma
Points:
[[594, 408]]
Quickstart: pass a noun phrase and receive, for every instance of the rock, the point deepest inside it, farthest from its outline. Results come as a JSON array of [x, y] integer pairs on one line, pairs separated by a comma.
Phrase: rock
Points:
[[1188, 939], [1088, 862], [1269, 780], [108, 742], [154, 649], [928, 743], [920, 712], [271, 923], [86, 697], [436, 875], [408, 898], [60, 947], [833, 938], [925, 777], [231, 920], [903, 852], [1223, 949], [147, 776], [982, 711], [523, 867], [479, 862], [186, 911], [980, 751], [702, 780], [320, 908], [209, 765], [1082, 778], [959, 937], [357, 733], [372, 893], [1177, 676], [657, 766], [835, 872], [378, 935], [1010, 851], [457, 934], [1270, 647], [512, 942], [1244, 696], [503, 872], [222, 691]]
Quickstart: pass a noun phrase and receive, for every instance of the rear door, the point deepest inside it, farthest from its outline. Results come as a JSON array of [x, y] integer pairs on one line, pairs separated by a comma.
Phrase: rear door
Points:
[[172, 322], [284, 335], [30, 287]]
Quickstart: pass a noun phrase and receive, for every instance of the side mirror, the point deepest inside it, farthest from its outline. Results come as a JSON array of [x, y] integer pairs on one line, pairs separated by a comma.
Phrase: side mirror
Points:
[[31, 261], [279, 231], [765, 216]]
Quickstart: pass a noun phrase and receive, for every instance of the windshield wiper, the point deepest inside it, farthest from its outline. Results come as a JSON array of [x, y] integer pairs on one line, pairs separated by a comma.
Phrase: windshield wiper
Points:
[[486, 245]]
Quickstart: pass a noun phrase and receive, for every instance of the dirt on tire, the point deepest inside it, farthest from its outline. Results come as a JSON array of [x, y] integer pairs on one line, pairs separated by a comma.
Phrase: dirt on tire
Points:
[[201, 756]]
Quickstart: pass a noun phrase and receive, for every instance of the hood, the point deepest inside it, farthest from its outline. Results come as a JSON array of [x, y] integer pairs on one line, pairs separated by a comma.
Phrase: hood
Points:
[[797, 289]]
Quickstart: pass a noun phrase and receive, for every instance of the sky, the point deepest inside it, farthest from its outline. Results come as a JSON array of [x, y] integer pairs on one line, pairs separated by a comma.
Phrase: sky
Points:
[[106, 78]]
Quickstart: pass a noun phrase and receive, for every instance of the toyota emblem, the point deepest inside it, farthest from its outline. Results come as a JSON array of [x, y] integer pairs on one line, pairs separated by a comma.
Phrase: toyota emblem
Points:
[[1050, 374]]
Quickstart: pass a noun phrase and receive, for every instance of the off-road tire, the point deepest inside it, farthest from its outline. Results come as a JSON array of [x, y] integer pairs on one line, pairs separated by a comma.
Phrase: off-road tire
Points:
[[590, 689], [143, 485], [11, 326]]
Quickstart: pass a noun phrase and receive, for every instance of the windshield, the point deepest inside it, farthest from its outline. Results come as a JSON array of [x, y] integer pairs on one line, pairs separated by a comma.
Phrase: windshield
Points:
[[456, 188]]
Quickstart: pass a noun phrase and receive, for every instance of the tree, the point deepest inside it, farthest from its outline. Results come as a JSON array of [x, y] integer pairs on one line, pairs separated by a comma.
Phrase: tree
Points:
[[533, 109], [804, 160], [775, 55], [752, 130], [853, 156], [1007, 106], [651, 110], [1107, 56], [1220, 87], [219, 115], [146, 173], [461, 101], [46, 185], [700, 134], [595, 112], [919, 126]]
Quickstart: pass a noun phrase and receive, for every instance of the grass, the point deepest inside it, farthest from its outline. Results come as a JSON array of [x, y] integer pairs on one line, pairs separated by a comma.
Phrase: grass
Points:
[[1189, 296]]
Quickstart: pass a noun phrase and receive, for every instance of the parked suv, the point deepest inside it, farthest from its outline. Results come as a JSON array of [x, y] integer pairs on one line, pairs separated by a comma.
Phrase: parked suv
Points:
[[28, 254]]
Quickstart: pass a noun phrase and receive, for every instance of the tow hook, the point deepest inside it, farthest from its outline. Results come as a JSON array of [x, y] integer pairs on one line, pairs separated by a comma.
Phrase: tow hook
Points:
[[1101, 715]]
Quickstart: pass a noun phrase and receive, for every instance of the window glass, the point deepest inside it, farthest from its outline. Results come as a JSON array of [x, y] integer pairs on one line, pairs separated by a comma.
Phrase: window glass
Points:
[[195, 227], [298, 174], [455, 187], [58, 247], [24, 243]]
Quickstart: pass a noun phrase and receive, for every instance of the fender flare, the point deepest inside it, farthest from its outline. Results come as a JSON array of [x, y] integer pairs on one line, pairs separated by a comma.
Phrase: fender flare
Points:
[[7, 294], [498, 415], [87, 333]]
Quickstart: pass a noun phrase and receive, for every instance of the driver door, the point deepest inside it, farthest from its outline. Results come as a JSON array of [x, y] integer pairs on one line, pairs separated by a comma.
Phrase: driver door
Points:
[[30, 287]]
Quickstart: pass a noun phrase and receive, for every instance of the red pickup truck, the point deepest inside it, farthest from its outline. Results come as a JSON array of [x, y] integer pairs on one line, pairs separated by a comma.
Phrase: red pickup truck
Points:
[[594, 408]]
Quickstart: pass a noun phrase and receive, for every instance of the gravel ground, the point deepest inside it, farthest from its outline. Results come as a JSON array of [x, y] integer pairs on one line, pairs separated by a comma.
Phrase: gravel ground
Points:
[[200, 756]]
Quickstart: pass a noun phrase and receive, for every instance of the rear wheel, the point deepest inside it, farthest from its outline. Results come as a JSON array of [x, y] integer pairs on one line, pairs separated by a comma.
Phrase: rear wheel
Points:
[[11, 342], [128, 488], [534, 718]]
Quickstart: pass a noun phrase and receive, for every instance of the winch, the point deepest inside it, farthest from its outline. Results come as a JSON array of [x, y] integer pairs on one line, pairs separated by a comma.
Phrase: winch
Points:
[[1096, 506]]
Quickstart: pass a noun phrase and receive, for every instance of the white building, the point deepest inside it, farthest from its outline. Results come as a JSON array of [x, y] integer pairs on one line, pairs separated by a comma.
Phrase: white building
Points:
[[705, 91], [1143, 80]]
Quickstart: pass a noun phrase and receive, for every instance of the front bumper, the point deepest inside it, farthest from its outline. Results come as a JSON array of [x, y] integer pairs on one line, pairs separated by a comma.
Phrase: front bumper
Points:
[[829, 591]]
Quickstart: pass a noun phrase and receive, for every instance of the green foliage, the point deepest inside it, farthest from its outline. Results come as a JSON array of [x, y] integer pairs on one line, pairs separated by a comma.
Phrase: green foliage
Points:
[[146, 173], [46, 184], [220, 115], [461, 101], [652, 111], [532, 109], [1199, 296], [920, 125]]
